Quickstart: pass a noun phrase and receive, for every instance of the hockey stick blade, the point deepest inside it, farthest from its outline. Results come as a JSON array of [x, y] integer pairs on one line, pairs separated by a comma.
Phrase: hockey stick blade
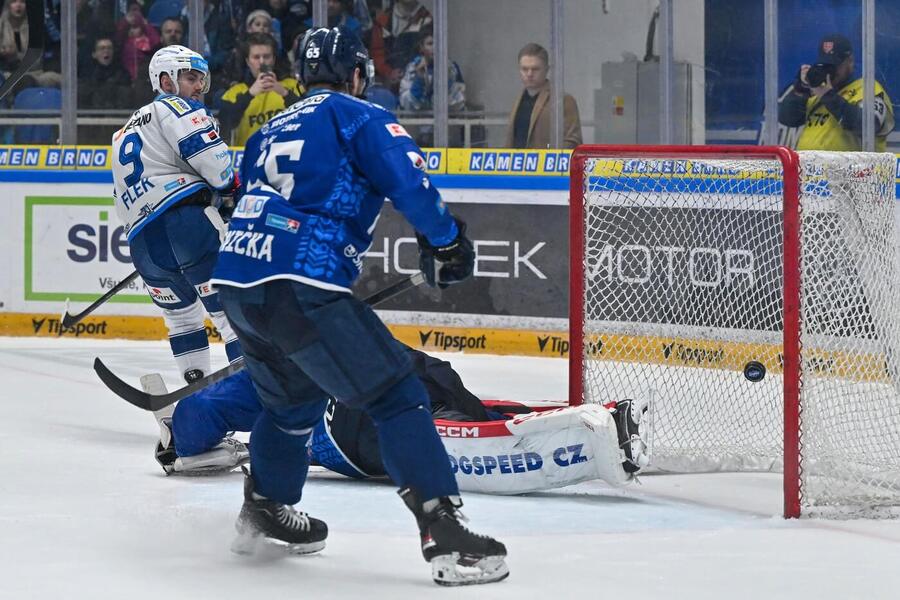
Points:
[[154, 402], [68, 320], [35, 12]]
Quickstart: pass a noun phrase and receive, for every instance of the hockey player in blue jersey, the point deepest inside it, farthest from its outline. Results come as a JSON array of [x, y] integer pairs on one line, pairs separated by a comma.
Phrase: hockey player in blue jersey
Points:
[[316, 177]]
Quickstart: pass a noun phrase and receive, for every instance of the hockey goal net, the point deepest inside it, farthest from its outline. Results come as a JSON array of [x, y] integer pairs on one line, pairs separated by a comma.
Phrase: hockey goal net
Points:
[[753, 294]]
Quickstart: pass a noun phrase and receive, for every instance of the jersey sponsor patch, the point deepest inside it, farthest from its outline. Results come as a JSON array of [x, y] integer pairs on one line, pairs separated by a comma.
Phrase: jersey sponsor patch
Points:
[[417, 160], [396, 130], [175, 184], [204, 289], [283, 223], [249, 207], [176, 105], [163, 295], [197, 142]]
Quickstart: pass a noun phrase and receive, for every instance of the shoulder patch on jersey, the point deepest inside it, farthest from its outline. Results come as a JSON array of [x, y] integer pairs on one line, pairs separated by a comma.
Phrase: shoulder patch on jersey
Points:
[[396, 130], [177, 105], [198, 141], [417, 160]]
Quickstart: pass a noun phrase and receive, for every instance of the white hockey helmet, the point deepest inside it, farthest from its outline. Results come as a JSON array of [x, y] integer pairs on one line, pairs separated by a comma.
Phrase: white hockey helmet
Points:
[[172, 60]]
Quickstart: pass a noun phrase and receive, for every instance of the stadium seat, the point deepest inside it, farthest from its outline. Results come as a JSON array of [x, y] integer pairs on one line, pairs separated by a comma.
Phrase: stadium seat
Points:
[[162, 10], [37, 98]]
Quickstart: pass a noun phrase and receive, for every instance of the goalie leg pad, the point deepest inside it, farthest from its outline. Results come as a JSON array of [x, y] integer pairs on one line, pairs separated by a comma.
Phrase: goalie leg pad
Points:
[[225, 455], [541, 450]]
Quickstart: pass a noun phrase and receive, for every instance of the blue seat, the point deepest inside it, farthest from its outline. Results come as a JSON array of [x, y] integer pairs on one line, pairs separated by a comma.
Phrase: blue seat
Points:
[[162, 10], [37, 98], [382, 96]]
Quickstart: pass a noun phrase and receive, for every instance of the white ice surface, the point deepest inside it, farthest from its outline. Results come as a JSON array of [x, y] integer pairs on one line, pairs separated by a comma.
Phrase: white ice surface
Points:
[[85, 512]]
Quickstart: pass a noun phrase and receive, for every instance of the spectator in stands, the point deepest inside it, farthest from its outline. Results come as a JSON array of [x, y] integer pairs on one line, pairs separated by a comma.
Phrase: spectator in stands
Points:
[[259, 21], [250, 103], [104, 83], [529, 121], [395, 36], [137, 40], [171, 31], [219, 33], [339, 15], [828, 101], [288, 22], [14, 43], [417, 85]]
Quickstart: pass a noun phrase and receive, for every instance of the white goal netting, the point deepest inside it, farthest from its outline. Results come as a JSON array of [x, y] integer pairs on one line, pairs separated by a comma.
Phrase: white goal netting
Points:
[[683, 301]]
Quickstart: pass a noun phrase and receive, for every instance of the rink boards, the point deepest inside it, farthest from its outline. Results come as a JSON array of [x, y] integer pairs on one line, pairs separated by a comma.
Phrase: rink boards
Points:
[[62, 240]]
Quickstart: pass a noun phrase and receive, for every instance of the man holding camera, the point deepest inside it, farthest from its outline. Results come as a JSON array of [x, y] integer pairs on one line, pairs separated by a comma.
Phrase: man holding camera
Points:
[[829, 104], [249, 104]]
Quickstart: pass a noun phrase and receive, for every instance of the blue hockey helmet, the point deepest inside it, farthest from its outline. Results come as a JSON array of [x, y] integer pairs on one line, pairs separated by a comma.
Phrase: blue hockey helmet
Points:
[[331, 55]]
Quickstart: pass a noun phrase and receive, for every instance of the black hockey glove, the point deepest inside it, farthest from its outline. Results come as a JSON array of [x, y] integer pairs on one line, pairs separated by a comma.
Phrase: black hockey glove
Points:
[[445, 265]]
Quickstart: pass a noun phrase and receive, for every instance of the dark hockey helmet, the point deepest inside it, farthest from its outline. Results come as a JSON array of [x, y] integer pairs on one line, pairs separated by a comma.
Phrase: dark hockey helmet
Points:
[[330, 56]]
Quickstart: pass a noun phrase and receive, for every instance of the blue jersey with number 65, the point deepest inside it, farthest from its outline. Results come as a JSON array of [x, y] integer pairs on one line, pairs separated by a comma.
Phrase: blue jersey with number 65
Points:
[[316, 178]]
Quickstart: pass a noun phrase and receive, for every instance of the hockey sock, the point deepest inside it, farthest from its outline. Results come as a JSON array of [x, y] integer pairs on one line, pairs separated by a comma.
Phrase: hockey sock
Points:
[[279, 460], [191, 351], [411, 450], [233, 350]]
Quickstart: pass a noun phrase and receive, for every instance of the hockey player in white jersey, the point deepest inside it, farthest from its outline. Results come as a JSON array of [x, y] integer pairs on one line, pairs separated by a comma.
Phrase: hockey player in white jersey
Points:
[[168, 161]]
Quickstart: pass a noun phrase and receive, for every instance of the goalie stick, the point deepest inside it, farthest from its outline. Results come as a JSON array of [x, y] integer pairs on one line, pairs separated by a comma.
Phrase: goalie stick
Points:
[[35, 50], [154, 402], [68, 319]]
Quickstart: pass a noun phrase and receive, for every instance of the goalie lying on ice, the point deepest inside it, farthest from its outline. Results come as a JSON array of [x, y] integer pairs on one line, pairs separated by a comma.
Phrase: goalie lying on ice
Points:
[[497, 447]]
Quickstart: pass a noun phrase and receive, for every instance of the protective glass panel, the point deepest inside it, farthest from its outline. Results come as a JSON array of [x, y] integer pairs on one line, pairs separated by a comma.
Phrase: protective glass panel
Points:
[[114, 43], [734, 93], [612, 72], [826, 36], [887, 57], [484, 40], [31, 109]]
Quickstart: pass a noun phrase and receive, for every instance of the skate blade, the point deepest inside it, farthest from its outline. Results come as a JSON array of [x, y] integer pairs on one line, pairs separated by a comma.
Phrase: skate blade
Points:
[[250, 544], [207, 471], [451, 570]]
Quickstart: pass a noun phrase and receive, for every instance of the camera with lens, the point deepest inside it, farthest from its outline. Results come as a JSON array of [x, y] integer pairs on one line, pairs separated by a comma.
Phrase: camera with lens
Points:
[[818, 74]]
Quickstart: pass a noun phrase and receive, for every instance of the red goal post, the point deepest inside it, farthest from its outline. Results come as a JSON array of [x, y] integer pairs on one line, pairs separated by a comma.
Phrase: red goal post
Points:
[[673, 282]]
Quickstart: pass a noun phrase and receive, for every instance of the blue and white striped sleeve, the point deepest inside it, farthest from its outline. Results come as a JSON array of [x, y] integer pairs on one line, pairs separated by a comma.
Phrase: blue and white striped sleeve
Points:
[[196, 138]]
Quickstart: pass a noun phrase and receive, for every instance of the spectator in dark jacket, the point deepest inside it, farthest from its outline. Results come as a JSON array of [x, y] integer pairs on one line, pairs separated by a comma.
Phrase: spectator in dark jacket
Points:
[[104, 83]]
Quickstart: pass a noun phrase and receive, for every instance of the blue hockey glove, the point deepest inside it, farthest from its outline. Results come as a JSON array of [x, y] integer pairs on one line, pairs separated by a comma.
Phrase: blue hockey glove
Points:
[[445, 265]]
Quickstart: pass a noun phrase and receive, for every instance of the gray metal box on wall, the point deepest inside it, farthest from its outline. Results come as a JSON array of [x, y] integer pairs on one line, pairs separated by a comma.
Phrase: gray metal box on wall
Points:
[[626, 107]]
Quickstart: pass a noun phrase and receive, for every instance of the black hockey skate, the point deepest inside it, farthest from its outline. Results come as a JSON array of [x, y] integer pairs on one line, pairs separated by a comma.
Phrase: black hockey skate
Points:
[[629, 416], [262, 519], [457, 556]]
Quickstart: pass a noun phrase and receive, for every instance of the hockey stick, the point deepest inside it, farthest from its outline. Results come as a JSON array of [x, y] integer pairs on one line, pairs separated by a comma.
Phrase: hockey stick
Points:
[[154, 402], [69, 320], [35, 50]]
